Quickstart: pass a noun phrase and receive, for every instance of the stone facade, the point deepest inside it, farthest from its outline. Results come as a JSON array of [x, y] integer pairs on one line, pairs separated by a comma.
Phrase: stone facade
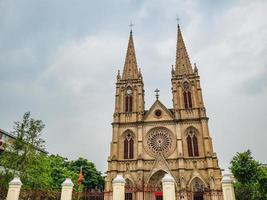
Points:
[[147, 144]]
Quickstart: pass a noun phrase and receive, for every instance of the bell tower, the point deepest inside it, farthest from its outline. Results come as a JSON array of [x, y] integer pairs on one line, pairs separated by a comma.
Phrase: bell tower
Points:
[[186, 88], [190, 114], [187, 99], [129, 98]]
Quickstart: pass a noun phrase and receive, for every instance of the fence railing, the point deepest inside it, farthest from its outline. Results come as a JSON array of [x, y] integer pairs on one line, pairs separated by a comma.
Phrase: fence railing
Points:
[[39, 195], [88, 195], [3, 193], [15, 193], [207, 195]]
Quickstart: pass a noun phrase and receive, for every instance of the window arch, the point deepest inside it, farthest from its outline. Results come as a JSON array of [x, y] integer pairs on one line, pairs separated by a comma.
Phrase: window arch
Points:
[[192, 144], [198, 189], [128, 100], [187, 96], [197, 185], [128, 146]]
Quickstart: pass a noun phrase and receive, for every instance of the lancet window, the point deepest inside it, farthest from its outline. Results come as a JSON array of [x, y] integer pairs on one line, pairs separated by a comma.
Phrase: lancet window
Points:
[[192, 144], [128, 100], [187, 96], [129, 146]]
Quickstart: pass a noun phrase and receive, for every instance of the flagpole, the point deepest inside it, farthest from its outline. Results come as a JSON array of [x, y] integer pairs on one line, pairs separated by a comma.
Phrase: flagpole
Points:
[[79, 191], [80, 179]]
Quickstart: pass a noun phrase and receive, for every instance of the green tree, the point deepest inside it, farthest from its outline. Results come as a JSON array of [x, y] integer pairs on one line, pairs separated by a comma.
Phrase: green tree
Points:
[[37, 174], [251, 177], [245, 168], [25, 155], [60, 171], [92, 178]]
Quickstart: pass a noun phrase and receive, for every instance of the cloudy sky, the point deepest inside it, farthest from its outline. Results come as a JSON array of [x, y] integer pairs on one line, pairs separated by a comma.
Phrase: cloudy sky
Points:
[[59, 59]]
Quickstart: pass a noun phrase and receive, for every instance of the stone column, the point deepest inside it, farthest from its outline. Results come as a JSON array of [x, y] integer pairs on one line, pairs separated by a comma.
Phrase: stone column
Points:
[[168, 184], [118, 188], [66, 191], [14, 189], [227, 187]]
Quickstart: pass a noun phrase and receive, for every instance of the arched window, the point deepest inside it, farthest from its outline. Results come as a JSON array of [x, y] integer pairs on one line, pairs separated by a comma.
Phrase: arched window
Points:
[[187, 99], [128, 147], [187, 96], [128, 100], [192, 144], [189, 145], [197, 189], [195, 144], [126, 150]]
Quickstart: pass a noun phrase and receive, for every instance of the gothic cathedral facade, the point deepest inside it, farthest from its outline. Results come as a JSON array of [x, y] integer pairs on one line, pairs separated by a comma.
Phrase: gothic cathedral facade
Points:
[[146, 144]]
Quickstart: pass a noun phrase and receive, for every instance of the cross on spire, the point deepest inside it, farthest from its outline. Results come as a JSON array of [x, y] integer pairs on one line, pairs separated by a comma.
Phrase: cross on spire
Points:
[[177, 19], [157, 93], [131, 25]]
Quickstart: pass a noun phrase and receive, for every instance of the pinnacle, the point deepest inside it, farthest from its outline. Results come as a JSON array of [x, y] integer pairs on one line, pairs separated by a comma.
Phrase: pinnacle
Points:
[[130, 70], [183, 65]]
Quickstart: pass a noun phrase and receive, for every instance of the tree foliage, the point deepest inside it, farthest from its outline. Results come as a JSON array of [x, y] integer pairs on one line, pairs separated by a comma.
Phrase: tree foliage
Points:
[[92, 178], [25, 154], [26, 158], [60, 171], [251, 177]]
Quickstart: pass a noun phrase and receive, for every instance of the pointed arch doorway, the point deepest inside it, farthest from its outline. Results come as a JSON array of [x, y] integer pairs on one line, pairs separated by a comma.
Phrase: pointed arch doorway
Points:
[[158, 195], [129, 194], [197, 186], [154, 186]]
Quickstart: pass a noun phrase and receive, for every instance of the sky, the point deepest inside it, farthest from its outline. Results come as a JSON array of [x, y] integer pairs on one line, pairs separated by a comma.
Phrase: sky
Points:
[[59, 60]]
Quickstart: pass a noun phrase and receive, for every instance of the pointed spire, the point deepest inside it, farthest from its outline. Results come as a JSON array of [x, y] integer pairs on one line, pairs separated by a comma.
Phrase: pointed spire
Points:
[[119, 75], [183, 65], [140, 74], [130, 70], [173, 71], [195, 68]]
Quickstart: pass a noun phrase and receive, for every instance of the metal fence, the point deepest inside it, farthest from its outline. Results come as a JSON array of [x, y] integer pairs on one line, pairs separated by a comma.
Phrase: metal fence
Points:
[[3, 193], [90, 195], [205, 195], [152, 193], [51, 195], [39, 195]]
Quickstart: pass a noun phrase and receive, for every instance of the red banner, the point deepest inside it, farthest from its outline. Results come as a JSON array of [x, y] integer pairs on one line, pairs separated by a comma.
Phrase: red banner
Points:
[[158, 194]]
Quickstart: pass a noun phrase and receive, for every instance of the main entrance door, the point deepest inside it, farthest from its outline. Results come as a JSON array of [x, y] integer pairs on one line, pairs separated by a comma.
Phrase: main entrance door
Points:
[[198, 196], [154, 187], [158, 195], [128, 196]]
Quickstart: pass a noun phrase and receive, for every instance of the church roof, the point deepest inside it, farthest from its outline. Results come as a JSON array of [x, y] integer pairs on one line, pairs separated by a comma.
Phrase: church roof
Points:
[[183, 65], [166, 113], [130, 70]]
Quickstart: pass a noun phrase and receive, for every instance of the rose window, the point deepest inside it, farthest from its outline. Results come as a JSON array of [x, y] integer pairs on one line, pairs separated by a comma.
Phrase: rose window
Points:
[[159, 141]]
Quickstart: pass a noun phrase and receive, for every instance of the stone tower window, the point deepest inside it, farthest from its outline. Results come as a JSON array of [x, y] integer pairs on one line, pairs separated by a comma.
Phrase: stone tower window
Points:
[[128, 146], [187, 96], [192, 144], [128, 100]]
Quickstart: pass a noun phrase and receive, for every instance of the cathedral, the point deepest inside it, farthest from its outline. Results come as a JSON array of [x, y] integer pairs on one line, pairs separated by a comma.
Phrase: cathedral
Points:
[[148, 143]]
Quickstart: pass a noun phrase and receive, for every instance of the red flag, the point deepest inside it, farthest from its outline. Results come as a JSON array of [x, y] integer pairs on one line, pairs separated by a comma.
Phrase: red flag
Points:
[[80, 178]]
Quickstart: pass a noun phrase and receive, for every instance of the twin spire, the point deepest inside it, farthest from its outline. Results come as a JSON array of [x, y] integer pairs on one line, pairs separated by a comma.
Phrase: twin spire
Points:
[[182, 66], [130, 70]]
